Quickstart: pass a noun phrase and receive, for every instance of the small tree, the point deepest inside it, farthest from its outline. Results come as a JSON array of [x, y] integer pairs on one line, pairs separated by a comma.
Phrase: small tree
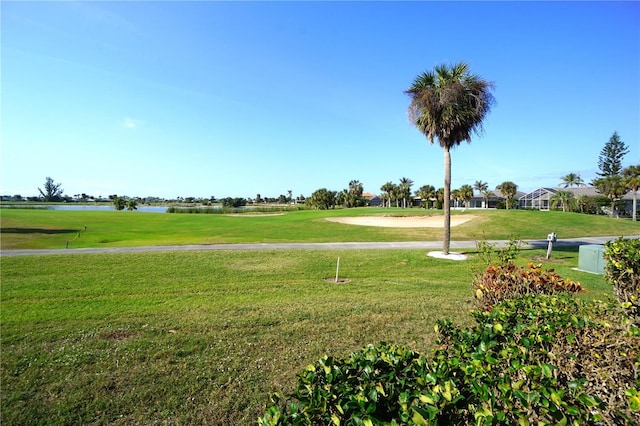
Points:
[[508, 189], [631, 181], [426, 193], [52, 191], [119, 203], [466, 193], [322, 199], [132, 205], [565, 199]]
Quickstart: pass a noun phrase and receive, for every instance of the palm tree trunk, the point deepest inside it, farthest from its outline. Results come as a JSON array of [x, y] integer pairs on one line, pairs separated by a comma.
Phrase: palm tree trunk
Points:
[[634, 206], [446, 241]]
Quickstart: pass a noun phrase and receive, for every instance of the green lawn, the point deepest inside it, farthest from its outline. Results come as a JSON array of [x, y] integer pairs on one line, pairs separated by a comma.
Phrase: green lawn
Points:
[[52, 229], [204, 337]]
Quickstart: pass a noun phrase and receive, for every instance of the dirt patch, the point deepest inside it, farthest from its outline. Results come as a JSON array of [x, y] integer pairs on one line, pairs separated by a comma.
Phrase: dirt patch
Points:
[[402, 221], [340, 280]]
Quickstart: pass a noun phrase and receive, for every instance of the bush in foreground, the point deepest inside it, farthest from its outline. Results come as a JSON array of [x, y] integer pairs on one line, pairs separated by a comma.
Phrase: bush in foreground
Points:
[[498, 283], [535, 359], [622, 271]]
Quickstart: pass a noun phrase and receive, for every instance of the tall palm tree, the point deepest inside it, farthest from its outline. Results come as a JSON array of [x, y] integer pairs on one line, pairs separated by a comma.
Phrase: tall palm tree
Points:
[[572, 179], [449, 104], [482, 188], [508, 189], [631, 180]]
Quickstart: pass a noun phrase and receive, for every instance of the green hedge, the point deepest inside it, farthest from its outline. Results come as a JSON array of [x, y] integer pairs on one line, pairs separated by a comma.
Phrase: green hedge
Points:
[[536, 359]]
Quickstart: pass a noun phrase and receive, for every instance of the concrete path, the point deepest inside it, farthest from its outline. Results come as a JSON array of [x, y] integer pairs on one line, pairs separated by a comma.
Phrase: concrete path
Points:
[[455, 245]]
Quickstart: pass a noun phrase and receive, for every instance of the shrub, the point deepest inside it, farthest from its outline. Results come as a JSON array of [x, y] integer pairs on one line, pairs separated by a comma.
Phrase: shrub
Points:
[[505, 255], [622, 271], [546, 360], [498, 283], [535, 359]]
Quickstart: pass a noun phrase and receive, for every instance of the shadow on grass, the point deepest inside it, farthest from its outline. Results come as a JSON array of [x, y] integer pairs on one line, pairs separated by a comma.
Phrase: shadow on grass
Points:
[[36, 231]]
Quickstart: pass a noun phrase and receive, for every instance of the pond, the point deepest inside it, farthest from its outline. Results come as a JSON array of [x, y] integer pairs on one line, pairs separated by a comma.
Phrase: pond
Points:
[[146, 209]]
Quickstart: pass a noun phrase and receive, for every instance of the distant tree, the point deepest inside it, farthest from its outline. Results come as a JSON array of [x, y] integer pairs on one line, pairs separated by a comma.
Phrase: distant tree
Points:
[[405, 190], [52, 191], [258, 199], [566, 200], [466, 194], [290, 193], [508, 189], [322, 199], [610, 159], [426, 193], [572, 179], [483, 189], [455, 197], [611, 187], [229, 202], [119, 203], [631, 181], [449, 104], [387, 192], [352, 196], [440, 197]]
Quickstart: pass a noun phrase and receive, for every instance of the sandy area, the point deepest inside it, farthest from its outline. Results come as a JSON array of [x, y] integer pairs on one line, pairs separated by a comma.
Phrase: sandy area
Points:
[[401, 221]]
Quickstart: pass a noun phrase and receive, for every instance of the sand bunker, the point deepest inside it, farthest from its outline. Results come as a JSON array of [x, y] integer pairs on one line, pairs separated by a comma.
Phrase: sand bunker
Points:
[[401, 221]]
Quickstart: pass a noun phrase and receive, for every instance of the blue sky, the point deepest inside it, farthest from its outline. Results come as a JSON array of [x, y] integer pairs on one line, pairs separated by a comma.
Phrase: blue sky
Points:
[[237, 98]]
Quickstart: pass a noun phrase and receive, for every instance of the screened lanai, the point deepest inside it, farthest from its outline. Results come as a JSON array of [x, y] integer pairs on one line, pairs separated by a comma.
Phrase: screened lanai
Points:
[[538, 199]]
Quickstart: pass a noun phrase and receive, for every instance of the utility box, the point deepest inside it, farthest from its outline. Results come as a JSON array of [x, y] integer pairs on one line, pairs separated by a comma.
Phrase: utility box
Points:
[[591, 258]]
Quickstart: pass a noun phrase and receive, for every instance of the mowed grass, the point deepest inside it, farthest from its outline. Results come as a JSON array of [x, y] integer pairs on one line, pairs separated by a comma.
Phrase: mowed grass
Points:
[[205, 337], [33, 229]]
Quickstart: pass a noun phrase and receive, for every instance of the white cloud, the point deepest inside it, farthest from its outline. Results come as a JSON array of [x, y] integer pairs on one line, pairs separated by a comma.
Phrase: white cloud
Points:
[[131, 123]]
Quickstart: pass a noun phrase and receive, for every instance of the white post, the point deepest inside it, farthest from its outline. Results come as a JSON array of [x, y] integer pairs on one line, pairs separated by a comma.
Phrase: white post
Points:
[[337, 269]]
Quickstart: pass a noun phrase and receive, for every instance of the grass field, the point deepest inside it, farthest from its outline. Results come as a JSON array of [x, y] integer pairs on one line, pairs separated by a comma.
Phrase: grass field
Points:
[[205, 337], [52, 229]]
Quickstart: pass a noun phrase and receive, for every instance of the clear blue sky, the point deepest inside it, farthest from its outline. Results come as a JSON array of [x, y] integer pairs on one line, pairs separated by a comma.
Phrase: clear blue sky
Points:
[[237, 98]]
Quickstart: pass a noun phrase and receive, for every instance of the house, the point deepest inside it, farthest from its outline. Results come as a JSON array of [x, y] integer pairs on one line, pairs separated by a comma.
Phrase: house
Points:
[[373, 200], [541, 197]]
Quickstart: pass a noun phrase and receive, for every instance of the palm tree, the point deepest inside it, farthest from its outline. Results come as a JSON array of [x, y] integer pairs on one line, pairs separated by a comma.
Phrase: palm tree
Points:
[[566, 199], [572, 179], [455, 196], [631, 180], [440, 195], [508, 189], [426, 193], [466, 193], [449, 104], [612, 188], [483, 188], [405, 190], [387, 190]]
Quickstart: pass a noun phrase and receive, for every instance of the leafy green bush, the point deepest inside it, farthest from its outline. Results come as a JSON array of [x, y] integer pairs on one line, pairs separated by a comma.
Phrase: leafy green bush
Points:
[[535, 359], [546, 360], [623, 271], [498, 283]]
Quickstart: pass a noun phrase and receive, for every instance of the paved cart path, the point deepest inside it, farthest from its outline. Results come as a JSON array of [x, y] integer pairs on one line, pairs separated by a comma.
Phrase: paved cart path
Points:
[[455, 245]]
